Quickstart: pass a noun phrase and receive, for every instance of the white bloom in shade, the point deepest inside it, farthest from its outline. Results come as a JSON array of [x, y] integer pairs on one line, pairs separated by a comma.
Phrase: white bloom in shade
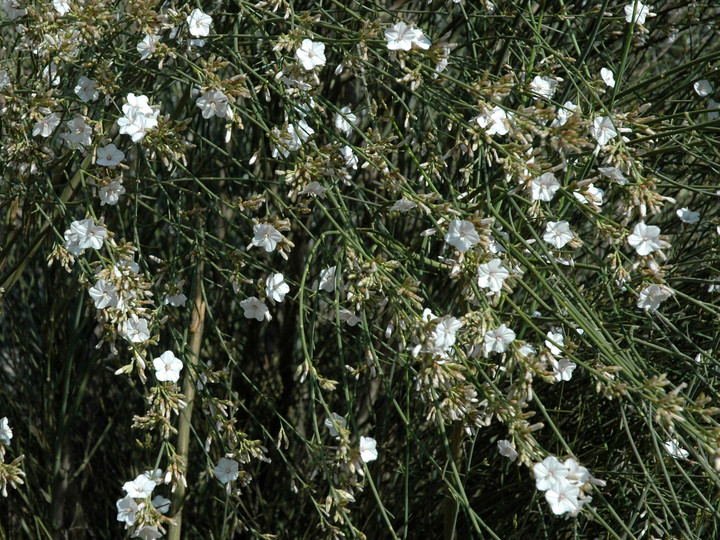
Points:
[[199, 23], [345, 120], [645, 239], [368, 450], [544, 187], [311, 54], [167, 367], [562, 369], [161, 504], [613, 173], [563, 113], [563, 498], [712, 104], [422, 41], [349, 157], [13, 9], [78, 132], [226, 470], [652, 296], [85, 89], [5, 432], [276, 287], [401, 37], [103, 294], [558, 233], [110, 193], [46, 125], [492, 274], [403, 205], [332, 422], [549, 473], [555, 336], [147, 46], [703, 88], [349, 317], [175, 300], [636, 12], [127, 510], [688, 216], [266, 236], [292, 139], [462, 235], [147, 532], [603, 130], [498, 340], [214, 103], [135, 330], [673, 448], [4, 78], [327, 279], [608, 77], [444, 334], [494, 122], [506, 449], [544, 86], [313, 189], [254, 309], [109, 156], [140, 488]]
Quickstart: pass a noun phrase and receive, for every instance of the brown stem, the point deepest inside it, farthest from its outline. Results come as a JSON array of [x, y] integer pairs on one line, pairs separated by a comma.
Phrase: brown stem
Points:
[[196, 330]]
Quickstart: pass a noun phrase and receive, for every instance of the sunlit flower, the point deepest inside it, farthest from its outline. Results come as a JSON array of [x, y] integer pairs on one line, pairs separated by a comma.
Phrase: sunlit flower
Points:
[[135, 330], [345, 120], [603, 130], [349, 157], [401, 37], [5, 432], [544, 86], [140, 488], [199, 23], [558, 233], [673, 448], [462, 235], [84, 234], [103, 294], [645, 239], [167, 367], [652, 296], [368, 449], [147, 46], [544, 187], [226, 470], [590, 194], [266, 236], [276, 287], [311, 54], [46, 125], [563, 498], [494, 122], [562, 369], [608, 77], [636, 12], [327, 279], [563, 113], [498, 340], [548, 473], [492, 274], [444, 333]]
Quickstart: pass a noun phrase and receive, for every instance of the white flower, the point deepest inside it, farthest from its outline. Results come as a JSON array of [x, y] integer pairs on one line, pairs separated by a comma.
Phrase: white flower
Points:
[[462, 235], [5, 432], [688, 216], [563, 498], [167, 367], [558, 233], [161, 504], [494, 122], [403, 205], [712, 104], [505, 448], [139, 117], [84, 234], [78, 132], [351, 160], [127, 509], [147, 532], [335, 420], [596, 195], [645, 239], [492, 274], [147, 46], [652, 296], [636, 12], [444, 334], [103, 294], [327, 279], [266, 236], [345, 120], [175, 300], [109, 156], [544, 187], [311, 54], [4, 78], [110, 193], [549, 473], [614, 174], [368, 451], [563, 113], [401, 37], [135, 330], [603, 130], [45, 126], [85, 89], [498, 340], [199, 23], [562, 369], [345, 315], [254, 309], [555, 336], [673, 448], [214, 103], [292, 139], [276, 287], [314, 189], [226, 470], [544, 86], [13, 9], [608, 77], [140, 488], [703, 88]]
